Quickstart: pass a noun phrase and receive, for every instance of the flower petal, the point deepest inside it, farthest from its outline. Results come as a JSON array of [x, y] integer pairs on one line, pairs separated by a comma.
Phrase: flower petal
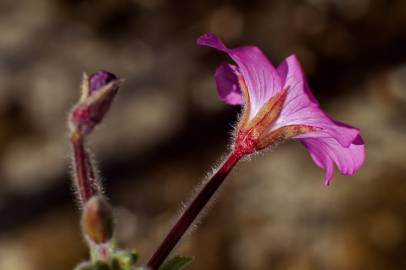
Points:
[[301, 108], [228, 87], [327, 151], [261, 77]]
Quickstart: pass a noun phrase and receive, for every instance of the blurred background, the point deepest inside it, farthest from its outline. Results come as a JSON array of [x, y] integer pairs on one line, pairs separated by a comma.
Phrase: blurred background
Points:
[[167, 128]]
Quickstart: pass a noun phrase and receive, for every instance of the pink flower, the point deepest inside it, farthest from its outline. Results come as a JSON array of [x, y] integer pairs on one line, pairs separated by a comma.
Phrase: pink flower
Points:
[[279, 105]]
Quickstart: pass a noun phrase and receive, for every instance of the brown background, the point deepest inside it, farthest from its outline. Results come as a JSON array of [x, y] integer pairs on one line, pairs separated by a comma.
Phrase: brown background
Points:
[[167, 129]]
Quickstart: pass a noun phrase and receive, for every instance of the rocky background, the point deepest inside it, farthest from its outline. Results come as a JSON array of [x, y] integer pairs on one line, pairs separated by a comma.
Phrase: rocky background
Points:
[[167, 128]]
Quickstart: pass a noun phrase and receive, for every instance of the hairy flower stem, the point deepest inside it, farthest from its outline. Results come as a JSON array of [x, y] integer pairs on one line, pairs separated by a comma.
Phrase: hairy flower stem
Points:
[[193, 210], [83, 171]]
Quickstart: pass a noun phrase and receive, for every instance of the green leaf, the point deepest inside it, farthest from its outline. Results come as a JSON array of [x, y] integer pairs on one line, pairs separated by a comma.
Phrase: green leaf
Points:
[[176, 263], [100, 265]]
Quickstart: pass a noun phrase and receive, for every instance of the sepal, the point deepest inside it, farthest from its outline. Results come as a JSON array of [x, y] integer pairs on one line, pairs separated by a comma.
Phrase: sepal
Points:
[[97, 220]]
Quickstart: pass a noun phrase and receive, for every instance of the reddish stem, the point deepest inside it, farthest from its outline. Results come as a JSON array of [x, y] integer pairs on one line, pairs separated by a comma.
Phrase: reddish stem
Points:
[[193, 210], [82, 169]]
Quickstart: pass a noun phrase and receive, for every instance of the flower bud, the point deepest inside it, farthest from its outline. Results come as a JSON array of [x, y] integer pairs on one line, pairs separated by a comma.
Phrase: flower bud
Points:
[[99, 79], [97, 220], [98, 92]]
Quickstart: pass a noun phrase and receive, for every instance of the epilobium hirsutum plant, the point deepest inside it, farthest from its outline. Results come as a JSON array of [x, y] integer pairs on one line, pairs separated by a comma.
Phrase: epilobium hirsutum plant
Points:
[[277, 105], [97, 93]]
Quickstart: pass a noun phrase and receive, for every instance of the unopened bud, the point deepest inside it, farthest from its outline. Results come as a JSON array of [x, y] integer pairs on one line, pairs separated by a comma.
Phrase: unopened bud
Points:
[[99, 79], [97, 220], [98, 92]]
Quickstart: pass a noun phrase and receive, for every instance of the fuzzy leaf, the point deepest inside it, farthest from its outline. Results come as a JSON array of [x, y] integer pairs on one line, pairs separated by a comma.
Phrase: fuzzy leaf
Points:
[[100, 265], [176, 263]]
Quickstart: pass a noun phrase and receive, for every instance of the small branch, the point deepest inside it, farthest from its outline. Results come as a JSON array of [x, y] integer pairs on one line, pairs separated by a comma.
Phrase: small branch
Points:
[[83, 171], [193, 210], [98, 91]]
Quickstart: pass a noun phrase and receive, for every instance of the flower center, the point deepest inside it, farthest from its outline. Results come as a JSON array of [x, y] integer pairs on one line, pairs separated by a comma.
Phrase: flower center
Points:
[[253, 134]]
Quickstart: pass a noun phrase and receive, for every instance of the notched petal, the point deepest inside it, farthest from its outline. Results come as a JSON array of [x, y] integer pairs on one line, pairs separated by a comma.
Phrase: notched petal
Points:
[[211, 40], [326, 152], [301, 107], [260, 76], [228, 87]]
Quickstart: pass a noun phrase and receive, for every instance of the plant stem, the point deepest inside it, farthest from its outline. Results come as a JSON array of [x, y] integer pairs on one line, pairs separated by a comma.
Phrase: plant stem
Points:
[[82, 167], [193, 210]]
